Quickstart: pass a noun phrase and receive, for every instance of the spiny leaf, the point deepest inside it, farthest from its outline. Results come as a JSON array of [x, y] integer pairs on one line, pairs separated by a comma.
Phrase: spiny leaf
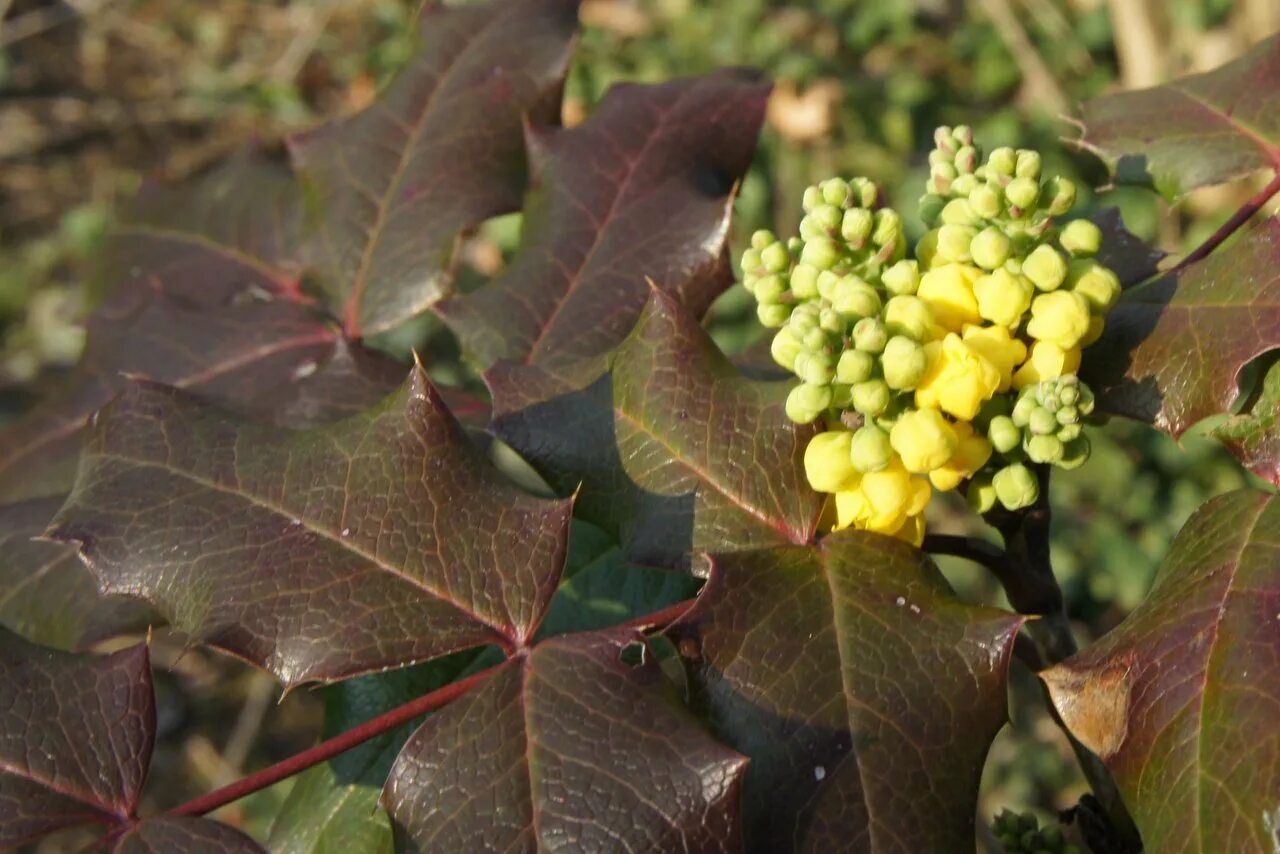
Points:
[[75, 737], [1254, 436], [377, 541], [438, 153], [566, 747], [46, 594], [641, 191], [864, 693], [1181, 700], [182, 833], [674, 450], [1173, 349], [1197, 130]]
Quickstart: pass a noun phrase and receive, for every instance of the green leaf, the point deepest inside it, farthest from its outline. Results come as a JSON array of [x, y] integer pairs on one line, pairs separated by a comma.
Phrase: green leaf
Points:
[[438, 153], [642, 192], [334, 807], [76, 733], [1254, 436], [377, 541], [864, 693], [46, 594], [566, 747], [183, 833], [1181, 700], [1172, 350], [673, 451], [1197, 130]]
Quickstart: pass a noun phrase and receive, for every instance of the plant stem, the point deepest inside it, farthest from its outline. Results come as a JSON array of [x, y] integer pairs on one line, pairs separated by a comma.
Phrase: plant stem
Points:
[[326, 750], [1229, 227]]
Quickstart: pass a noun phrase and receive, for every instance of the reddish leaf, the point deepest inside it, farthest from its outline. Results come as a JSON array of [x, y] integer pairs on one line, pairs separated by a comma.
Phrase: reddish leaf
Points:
[[373, 542], [864, 693], [75, 737], [1198, 130], [642, 191], [567, 747], [674, 451], [1181, 701], [1128, 255], [167, 834], [46, 594], [1173, 349], [438, 153]]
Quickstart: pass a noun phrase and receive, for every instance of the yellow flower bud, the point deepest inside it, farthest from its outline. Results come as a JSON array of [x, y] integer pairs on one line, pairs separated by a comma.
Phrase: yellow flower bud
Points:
[[972, 452], [850, 506], [927, 249], [891, 496], [959, 379], [827, 464], [910, 316], [1096, 324], [998, 347], [1046, 361], [923, 439], [1003, 297], [912, 530], [1059, 317], [948, 291]]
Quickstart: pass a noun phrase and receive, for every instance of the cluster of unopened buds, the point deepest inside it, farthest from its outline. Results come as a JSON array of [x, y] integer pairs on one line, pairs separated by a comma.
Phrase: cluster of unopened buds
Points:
[[952, 368]]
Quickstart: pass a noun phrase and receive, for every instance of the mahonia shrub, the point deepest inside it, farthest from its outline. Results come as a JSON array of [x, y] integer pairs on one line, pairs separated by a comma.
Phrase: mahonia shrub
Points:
[[629, 593]]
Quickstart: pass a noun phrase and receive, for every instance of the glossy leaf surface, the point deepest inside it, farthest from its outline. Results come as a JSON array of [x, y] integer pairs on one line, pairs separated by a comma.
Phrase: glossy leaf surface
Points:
[[165, 834]]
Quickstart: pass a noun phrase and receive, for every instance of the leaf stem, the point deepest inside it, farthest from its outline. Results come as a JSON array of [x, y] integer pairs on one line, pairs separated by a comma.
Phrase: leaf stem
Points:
[[1229, 227], [661, 619], [326, 750]]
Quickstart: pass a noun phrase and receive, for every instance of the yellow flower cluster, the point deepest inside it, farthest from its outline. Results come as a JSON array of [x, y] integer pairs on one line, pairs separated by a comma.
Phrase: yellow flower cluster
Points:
[[915, 365]]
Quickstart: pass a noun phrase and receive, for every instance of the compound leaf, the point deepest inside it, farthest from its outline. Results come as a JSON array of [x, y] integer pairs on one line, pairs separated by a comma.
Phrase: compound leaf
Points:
[[1181, 700], [566, 746], [376, 541], [439, 152], [863, 691], [642, 192]]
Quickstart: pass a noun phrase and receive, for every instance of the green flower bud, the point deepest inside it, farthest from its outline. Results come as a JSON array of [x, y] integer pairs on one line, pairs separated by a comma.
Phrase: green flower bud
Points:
[[1022, 194], [1081, 238], [1061, 193], [804, 281], [1016, 486], [772, 316], [981, 493], [856, 226], [966, 159], [870, 450], [762, 239], [1068, 432], [775, 258], [864, 192], [1023, 408], [854, 366], [1045, 268], [964, 184], [953, 242], [1044, 449], [931, 206], [990, 249], [910, 316], [811, 199], [985, 201], [784, 348], [959, 212], [943, 139], [805, 317], [806, 402], [871, 398], [942, 175], [841, 396], [822, 221], [962, 134], [816, 338], [832, 322], [855, 298], [1068, 415], [888, 227], [902, 278], [1075, 453], [1042, 422], [835, 191], [937, 156], [1099, 286], [1085, 401], [1027, 164], [752, 262], [1002, 161], [820, 252], [903, 362], [817, 368], [1004, 434], [769, 289], [870, 335], [827, 282], [1069, 394]]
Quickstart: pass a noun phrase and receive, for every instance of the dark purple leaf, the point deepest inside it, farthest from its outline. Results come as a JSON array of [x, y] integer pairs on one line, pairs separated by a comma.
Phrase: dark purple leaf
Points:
[[438, 153], [642, 192], [46, 594], [75, 737], [864, 693], [567, 747], [1130, 257], [1182, 699], [1197, 130], [373, 542], [673, 451], [1173, 349], [170, 834]]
